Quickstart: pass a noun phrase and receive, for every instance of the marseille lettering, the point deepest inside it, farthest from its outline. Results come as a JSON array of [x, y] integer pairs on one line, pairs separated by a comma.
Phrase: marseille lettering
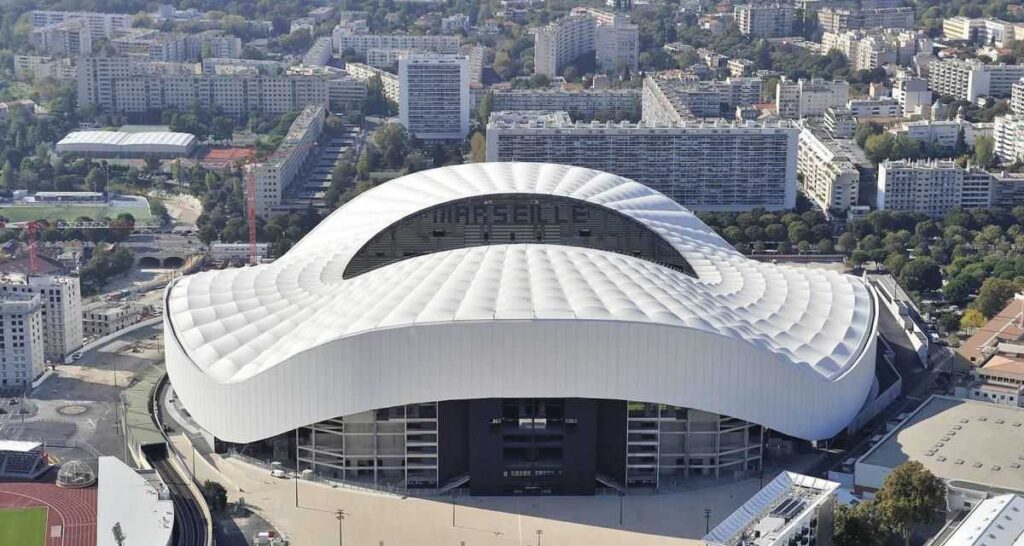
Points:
[[511, 214]]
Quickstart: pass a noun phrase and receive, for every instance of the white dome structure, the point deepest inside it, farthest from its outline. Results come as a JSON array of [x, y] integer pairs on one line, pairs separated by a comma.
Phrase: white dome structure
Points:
[[501, 280], [75, 474]]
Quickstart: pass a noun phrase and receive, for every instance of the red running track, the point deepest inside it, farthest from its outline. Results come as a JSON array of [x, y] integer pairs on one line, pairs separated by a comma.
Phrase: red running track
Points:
[[73, 509]]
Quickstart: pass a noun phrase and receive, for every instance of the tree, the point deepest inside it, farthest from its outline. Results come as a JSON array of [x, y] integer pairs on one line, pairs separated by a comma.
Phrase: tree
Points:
[[878, 147], [984, 150], [478, 148], [7, 181], [921, 273], [847, 242], [972, 320], [97, 180], [393, 142], [857, 526], [910, 496], [215, 494], [993, 295], [119, 536]]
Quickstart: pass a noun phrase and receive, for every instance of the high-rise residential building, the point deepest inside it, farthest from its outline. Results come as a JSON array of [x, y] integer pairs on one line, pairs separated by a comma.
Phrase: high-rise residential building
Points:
[[1017, 97], [614, 41], [670, 99], [835, 19], [827, 175], [585, 104], [871, 49], [21, 339], [70, 38], [353, 35], [61, 69], [1009, 138], [61, 300], [765, 20], [121, 84], [702, 165], [434, 96], [100, 25], [993, 32], [932, 187], [275, 175], [971, 79], [803, 98]]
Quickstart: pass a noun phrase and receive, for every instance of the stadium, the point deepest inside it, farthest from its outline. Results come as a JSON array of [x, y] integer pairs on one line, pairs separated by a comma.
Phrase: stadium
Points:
[[519, 328]]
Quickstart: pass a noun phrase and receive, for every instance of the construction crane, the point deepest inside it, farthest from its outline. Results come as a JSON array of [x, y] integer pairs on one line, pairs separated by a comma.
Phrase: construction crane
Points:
[[32, 227]]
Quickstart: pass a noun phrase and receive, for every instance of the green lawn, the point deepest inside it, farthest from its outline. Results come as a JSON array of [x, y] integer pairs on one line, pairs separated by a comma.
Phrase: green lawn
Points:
[[23, 527], [15, 213]]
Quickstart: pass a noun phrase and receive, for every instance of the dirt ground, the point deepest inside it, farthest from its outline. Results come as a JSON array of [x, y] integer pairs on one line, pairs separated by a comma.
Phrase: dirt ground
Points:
[[183, 209]]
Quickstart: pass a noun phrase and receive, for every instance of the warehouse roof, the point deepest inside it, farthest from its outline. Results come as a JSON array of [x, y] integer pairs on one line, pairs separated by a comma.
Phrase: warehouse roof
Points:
[[96, 141]]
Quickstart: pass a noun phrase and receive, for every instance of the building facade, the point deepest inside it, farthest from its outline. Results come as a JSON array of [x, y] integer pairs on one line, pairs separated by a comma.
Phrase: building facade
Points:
[[21, 339], [828, 177], [765, 20], [702, 165], [100, 25], [1009, 138], [434, 96], [61, 69], [365, 73], [970, 79], [803, 98], [584, 104], [105, 318], [932, 188], [68, 39], [614, 41], [985, 32], [275, 175], [836, 19], [670, 99], [61, 310]]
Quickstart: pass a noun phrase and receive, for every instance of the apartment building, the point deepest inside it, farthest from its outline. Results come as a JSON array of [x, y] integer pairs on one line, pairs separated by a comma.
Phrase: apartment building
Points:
[[839, 122], [705, 166], [104, 318], [454, 24], [836, 19], [365, 73], [100, 25], [345, 93], [69, 38], [214, 44], [228, 65], [669, 98], [434, 96], [1017, 97], [385, 58], [940, 133], [154, 45], [352, 35], [932, 187], [21, 339], [765, 20], [123, 85], [971, 79], [1009, 138], [827, 175], [871, 49], [61, 307], [803, 98], [882, 107], [981, 31], [614, 41], [61, 69], [319, 53], [912, 94], [583, 104], [275, 175]]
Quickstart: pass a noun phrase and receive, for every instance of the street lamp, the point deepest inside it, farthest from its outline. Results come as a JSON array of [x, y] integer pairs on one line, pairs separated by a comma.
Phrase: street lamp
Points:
[[707, 520], [539, 533], [340, 516], [620, 508]]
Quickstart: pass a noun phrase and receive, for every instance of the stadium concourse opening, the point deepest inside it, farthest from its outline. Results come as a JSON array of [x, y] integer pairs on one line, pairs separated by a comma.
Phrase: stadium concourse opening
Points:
[[568, 446]]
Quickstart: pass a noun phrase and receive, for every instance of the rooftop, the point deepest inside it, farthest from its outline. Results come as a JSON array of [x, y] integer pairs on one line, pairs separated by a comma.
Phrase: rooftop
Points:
[[958, 439], [1005, 326], [1005, 364], [994, 522]]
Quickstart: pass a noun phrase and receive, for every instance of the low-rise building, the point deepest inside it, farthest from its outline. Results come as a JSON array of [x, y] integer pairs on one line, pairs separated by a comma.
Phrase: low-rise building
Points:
[[118, 145], [994, 521], [21, 339], [104, 318], [1000, 380], [790, 509]]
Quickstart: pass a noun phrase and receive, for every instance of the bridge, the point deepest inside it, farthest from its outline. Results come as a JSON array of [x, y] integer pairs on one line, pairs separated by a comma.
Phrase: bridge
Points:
[[162, 250]]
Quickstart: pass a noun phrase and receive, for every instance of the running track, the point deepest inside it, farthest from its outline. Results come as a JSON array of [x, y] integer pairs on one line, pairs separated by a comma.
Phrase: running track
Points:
[[74, 509]]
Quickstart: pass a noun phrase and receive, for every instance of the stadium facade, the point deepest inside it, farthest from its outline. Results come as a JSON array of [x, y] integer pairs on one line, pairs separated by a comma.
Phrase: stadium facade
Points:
[[526, 327]]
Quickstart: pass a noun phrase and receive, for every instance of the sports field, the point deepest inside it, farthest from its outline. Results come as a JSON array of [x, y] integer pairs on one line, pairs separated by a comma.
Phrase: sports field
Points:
[[23, 527], [69, 213]]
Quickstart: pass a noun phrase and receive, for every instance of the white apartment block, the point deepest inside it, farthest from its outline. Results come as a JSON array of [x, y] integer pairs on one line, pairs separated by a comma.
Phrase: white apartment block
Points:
[[839, 123], [585, 104], [1009, 138], [834, 19], [454, 24], [153, 45], [434, 98], [352, 36], [346, 93], [275, 175], [932, 188], [61, 69], [670, 99], [790, 509], [614, 41], [21, 339], [765, 20], [119, 84], [705, 166], [61, 300], [101, 25], [884, 107], [941, 133], [214, 44], [319, 53], [230, 65], [70, 38], [828, 177], [475, 54], [385, 58], [803, 98], [867, 50], [1017, 98], [912, 94], [982, 32], [969, 80], [366, 73]]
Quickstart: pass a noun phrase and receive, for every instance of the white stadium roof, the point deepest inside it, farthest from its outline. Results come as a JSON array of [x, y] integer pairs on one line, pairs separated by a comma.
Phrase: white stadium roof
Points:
[[117, 142], [256, 351]]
